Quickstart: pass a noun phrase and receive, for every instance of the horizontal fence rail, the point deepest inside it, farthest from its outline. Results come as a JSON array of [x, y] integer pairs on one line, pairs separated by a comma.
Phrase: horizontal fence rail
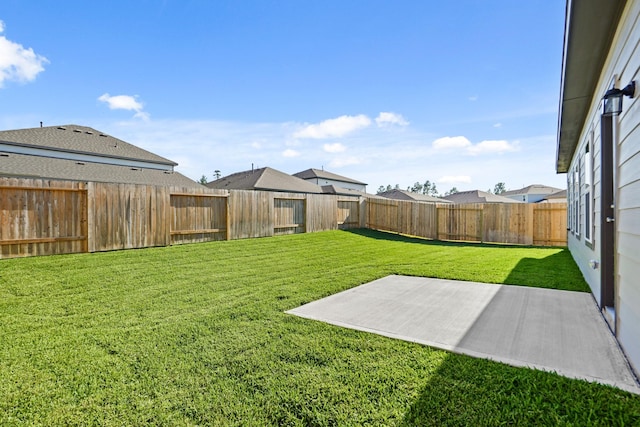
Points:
[[44, 217]]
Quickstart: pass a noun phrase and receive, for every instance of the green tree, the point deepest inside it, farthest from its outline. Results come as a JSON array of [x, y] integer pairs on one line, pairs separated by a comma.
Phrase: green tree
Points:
[[216, 173], [203, 180], [416, 188], [429, 189], [499, 188], [453, 190]]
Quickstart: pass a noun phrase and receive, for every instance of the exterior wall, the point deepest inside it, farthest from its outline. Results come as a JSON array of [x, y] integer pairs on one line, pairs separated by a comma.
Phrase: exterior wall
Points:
[[527, 198], [622, 66], [343, 184]]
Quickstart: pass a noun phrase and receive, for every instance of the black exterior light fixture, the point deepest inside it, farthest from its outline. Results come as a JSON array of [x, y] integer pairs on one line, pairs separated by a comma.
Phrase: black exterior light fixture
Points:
[[613, 99]]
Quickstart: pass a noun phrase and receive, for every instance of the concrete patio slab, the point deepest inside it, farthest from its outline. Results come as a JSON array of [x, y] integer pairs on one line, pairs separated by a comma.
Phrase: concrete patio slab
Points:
[[551, 330]]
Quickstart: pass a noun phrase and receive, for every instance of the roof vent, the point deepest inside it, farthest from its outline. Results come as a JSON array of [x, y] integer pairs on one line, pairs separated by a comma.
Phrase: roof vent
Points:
[[168, 172], [62, 128], [89, 133], [102, 134], [4, 154], [77, 130], [79, 163], [135, 169]]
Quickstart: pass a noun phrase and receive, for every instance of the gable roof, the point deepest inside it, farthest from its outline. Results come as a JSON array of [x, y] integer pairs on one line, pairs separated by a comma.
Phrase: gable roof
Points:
[[477, 196], [558, 196], [531, 189], [397, 194], [80, 141], [28, 166], [589, 29], [266, 179], [316, 173]]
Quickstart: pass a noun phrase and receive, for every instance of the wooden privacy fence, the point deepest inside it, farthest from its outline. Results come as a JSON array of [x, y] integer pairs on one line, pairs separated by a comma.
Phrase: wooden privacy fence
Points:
[[42, 217], [543, 224]]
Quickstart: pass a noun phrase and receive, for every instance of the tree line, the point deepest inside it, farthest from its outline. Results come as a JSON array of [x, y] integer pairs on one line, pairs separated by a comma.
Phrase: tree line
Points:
[[429, 189]]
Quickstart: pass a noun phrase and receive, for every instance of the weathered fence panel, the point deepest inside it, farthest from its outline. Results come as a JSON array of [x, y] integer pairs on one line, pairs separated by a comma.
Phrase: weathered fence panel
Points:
[[127, 216], [289, 215], [382, 215], [348, 214], [321, 212], [42, 217], [198, 217], [508, 223], [550, 224], [251, 214], [460, 222]]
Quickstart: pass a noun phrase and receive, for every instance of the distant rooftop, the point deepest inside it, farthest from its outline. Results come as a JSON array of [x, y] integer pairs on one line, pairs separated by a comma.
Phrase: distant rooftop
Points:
[[79, 140], [532, 189], [397, 194], [477, 196], [267, 179], [317, 173]]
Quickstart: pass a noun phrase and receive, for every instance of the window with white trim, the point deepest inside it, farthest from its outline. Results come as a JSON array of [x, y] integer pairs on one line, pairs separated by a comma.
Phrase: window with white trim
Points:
[[576, 198], [588, 191]]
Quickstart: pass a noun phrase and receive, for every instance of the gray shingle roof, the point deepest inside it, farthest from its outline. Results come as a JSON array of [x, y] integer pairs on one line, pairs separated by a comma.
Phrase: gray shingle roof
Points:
[[407, 195], [266, 179], [317, 173], [22, 165], [477, 196], [532, 189], [81, 140]]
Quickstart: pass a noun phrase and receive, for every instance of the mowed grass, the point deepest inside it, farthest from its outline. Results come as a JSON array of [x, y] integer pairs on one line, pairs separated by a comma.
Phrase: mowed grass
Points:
[[198, 335]]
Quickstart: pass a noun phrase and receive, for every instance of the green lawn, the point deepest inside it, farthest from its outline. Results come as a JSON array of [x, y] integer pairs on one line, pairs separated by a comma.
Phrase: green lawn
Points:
[[197, 335]]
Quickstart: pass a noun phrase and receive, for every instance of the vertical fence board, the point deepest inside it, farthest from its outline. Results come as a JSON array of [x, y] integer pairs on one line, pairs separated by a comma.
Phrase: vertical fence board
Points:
[[41, 217]]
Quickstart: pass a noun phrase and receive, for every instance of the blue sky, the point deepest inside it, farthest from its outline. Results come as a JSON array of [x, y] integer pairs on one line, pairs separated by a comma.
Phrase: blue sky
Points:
[[461, 93]]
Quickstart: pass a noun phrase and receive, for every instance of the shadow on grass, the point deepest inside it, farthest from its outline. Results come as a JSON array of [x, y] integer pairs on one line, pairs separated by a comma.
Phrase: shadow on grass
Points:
[[552, 268], [395, 237], [556, 271], [468, 391]]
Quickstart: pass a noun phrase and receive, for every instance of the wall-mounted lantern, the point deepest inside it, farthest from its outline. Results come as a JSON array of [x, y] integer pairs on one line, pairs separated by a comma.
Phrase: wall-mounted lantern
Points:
[[613, 99]]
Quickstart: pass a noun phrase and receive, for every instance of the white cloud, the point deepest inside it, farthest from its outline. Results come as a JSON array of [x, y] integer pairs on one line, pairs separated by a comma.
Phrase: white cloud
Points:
[[388, 118], [334, 128], [473, 98], [377, 158], [497, 125], [334, 148], [500, 146], [484, 147], [451, 142], [17, 63], [454, 179], [344, 161], [290, 153], [125, 102]]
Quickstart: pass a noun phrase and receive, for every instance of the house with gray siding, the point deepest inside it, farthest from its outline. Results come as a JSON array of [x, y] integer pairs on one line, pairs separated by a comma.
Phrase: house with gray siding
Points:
[[599, 151], [80, 153], [322, 178], [531, 193]]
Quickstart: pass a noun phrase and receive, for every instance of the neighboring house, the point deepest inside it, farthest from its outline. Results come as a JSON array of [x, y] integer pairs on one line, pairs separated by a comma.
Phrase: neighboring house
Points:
[[415, 197], [557, 197], [265, 179], [322, 178], [600, 153], [530, 194], [477, 196], [80, 153]]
